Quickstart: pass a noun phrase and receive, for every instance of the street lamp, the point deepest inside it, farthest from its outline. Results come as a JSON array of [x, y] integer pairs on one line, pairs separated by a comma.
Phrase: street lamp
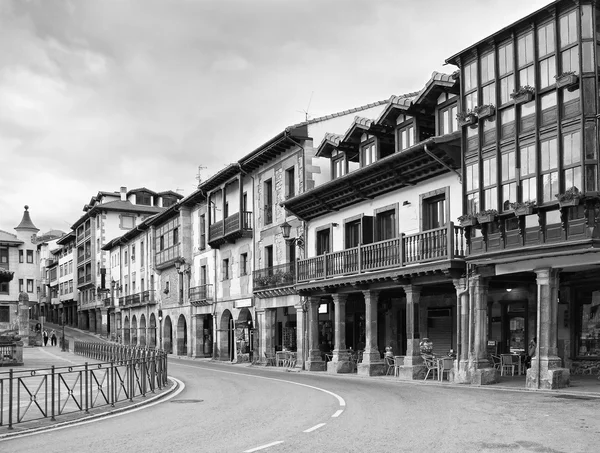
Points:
[[63, 330], [286, 229], [160, 327]]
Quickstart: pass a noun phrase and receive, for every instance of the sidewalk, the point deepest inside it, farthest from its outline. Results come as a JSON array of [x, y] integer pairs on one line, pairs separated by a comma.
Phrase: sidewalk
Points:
[[46, 357]]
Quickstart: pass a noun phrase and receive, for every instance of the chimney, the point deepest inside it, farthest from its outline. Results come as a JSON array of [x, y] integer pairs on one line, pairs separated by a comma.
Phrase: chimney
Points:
[[123, 193]]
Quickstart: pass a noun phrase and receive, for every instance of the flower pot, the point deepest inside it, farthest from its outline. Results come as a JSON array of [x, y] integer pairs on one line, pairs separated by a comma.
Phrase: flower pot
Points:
[[567, 80], [486, 218], [523, 97], [568, 203], [467, 222], [467, 121], [486, 111], [523, 210]]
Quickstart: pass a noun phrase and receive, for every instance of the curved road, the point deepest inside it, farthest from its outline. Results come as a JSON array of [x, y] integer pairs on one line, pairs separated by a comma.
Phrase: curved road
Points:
[[227, 408]]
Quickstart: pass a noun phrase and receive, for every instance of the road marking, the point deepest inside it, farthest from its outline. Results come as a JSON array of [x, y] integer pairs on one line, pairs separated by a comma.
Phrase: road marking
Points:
[[338, 413], [314, 428], [262, 447], [335, 395], [95, 418]]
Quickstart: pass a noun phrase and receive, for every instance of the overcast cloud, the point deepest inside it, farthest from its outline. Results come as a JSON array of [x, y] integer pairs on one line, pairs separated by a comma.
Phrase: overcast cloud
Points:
[[95, 95]]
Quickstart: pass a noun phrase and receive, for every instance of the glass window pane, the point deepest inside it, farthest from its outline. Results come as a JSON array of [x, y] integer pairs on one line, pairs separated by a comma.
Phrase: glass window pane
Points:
[[587, 56], [587, 30], [527, 76], [505, 59], [507, 86], [470, 76], [547, 72], [591, 180]]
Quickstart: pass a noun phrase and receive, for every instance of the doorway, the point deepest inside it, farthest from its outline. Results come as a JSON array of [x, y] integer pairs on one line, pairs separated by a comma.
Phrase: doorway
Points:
[[514, 331]]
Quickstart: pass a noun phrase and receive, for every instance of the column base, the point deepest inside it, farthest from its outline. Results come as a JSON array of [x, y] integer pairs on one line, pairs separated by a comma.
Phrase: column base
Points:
[[340, 366], [371, 369], [315, 365], [462, 375], [484, 376], [549, 379], [412, 372]]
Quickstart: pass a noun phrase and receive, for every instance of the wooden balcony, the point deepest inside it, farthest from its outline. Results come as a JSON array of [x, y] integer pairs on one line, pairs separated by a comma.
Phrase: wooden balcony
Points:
[[430, 246], [201, 295], [138, 299], [238, 225], [547, 231]]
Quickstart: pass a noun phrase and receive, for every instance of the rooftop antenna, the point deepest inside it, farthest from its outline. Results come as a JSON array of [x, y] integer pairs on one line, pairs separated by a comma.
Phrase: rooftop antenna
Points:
[[199, 175], [306, 115]]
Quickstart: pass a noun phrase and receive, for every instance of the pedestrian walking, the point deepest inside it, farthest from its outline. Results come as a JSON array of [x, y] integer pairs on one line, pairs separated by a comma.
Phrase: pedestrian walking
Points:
[[45, 337], [53, 338]]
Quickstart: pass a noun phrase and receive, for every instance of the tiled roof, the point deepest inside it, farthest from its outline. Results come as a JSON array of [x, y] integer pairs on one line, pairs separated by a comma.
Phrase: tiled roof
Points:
[[6, 237], [437, 78], [142, 189], [358, 123], [26, 223], [330, 140], [118, 205], [338, 114], [170, 192], [402, 102]]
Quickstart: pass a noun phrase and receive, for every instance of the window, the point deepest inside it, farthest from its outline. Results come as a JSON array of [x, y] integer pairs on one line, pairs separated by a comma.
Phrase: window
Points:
[[528, 178], [269, 256], [507, 86], [4, 311], [175, 236], [472, 182], [568, 29], [168, 201], [406, 137], [547, 72], [4, 257], [571, 159], [323, 241], [525, 49], [490, 190], [368, 154], [143, 198], [290, 183], [225, 270], [505, 59], [142, 253], [338, 166], [487, 67], [202, 232], [29, 285], [549, 169], [133, 253], [21, 256], [470, 76], [447, 120], [4, 290], [161, 243], [434, 212], [20, 285], [508, 175], [268, 198], [126, 261], [570, 59], [527, 116], [352, 234], [548, 105], [127, 221], [244, 264], [546, 39], [507, 123], [385, 222], [30, 256]]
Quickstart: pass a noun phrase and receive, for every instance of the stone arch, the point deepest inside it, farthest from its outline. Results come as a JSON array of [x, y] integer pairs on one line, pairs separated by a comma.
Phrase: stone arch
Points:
[[181, 336], [126, 331], [152, 331], [134, 331], [142, 335], [225, 334]]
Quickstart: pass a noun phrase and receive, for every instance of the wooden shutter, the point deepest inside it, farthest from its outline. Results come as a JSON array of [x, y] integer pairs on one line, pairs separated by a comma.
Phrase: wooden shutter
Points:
[[367, 229]]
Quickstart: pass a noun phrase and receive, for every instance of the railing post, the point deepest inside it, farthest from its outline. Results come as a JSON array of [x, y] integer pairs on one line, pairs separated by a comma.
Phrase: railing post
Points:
[[52, 399], [296, 269], [325, 263], [10, 398], [402, 248], [450, 240], [86, 388], [359, 251]]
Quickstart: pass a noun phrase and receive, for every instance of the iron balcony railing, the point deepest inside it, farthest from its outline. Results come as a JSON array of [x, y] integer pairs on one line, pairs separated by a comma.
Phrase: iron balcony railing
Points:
[[118, 373], [142, 298], [107, 302], [201, 295], [275, 276], [232, 224], [433, 245]]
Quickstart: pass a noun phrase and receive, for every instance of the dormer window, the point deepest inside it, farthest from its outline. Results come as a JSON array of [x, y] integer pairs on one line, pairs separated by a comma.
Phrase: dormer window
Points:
[[406, 137], [368, 153], [143, 198], [339, 166]]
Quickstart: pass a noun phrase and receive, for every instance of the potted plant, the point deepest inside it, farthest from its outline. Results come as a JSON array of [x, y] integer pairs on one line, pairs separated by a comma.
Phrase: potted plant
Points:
[[468, 118], [467, 220], [570, 197], [524, 208], [487, 215], [566, 79], [523, 94], [483, 111]]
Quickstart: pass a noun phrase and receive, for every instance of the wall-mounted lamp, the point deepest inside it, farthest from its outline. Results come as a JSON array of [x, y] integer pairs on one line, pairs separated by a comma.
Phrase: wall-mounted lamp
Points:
[[285, 232], [406, 203], [508, 290], [335, 224]]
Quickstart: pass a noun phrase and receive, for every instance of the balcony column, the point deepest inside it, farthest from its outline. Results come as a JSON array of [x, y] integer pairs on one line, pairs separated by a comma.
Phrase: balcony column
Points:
[[479, 366], [546, 371], [413, 367], [300, 332], [113, 326], [315, 361], [372, 363], [103, 312], [461, 373], [340, 363]]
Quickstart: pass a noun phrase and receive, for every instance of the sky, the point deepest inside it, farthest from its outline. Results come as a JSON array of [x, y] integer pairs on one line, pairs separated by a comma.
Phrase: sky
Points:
[[95, 95]]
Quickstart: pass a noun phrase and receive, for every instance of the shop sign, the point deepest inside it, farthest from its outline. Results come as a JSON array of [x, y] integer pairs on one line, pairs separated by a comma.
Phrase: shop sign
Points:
[[242, 303]]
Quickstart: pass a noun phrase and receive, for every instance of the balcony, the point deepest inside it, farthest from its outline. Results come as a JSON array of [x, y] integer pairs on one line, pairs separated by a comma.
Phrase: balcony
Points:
[[278, 276], [107, 302], [84, 279], [233, 227], [138, 299], [201, 295], [433, 249]]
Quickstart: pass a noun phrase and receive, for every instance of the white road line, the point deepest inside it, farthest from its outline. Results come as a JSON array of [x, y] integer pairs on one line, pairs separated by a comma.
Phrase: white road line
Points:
[[92, 418], [314, 428], [262, 447], [338, 413], [338, 397]]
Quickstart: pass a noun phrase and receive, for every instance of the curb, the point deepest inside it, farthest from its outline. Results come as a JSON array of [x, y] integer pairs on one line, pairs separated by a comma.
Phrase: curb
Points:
[[15, 434]]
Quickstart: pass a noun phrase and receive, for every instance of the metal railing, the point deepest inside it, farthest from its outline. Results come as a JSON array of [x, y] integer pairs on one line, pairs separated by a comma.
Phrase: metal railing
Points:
[[126, 373], [199, 294], [275, 276]]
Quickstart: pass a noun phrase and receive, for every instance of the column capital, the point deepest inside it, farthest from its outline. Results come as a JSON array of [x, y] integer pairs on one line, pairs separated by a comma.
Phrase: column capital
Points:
[[370, 293], [339, 298], [479, 280], [460, 283], [314, 300], [544, 276], [412, 289]]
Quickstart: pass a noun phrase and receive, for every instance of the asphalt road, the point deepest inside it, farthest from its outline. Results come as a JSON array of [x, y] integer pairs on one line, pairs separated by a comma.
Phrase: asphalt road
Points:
[[226, 408]]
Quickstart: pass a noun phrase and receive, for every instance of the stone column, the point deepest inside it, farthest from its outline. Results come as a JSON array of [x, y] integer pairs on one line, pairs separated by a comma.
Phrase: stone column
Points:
[[300, 334], [372, 363], [546, 371], [461, 372], [315, 361], [481, 371], [413, 367], [259, 322], [104, 322], [23, 318], [340, 363]]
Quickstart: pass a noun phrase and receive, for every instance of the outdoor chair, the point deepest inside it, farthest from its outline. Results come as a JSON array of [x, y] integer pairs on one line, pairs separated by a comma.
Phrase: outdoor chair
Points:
[[445, 366], [270, 357], [495, 361], [431, 365], [390, 365], [506, 364]]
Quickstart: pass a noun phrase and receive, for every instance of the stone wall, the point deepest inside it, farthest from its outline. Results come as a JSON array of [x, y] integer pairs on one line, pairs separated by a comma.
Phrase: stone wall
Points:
[[591, 367]]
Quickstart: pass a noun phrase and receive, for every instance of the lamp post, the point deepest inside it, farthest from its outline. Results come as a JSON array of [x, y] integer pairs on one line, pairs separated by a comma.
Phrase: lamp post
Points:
[[160, 328], [180, 267]]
